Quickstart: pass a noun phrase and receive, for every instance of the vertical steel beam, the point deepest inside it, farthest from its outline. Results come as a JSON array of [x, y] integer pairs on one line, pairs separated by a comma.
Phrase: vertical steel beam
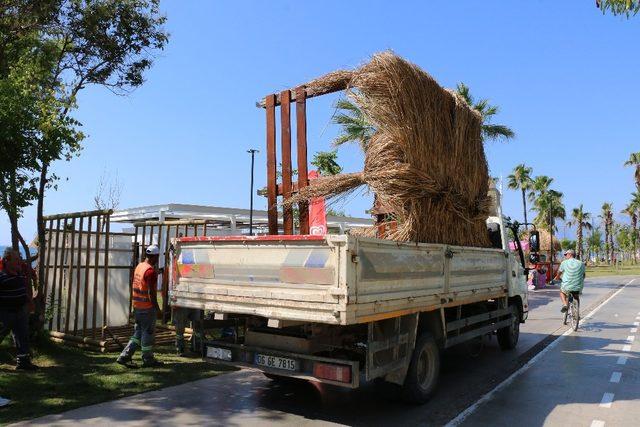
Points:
[[301, 142], [55, 273], [105, 281], [70, 275], [272, 197], [78, 276], [285, 140], [87, 270], [61, 278], [94, 310], [47, 263]]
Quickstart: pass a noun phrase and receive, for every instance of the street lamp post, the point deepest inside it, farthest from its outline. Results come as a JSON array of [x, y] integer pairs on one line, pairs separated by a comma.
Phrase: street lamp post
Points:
[[253, 152]]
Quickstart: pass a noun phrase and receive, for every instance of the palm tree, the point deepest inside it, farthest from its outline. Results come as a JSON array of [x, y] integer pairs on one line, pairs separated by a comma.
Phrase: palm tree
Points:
[[539, 186], [487, 111], [632, 210], [634, 160], [607, 219], [594, 242], [549, 207], [521, 180], [356, 126], [581, 222]]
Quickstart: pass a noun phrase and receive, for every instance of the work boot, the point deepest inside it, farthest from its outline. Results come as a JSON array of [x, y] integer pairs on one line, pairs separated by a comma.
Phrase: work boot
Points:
[[180, 347], [24, 364], [151, 363], [123, 360]]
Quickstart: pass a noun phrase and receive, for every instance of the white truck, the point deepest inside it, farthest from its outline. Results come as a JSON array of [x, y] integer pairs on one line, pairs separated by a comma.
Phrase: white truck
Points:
[[340, 309]]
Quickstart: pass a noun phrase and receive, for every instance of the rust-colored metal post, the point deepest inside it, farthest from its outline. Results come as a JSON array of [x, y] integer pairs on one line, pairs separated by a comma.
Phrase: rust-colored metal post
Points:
[[301, 146], [45, 285], [87, 270], [55, 273], [105, 281], [70, 275], [78, 276], [272, 198], [61, 278], [94, 310], [285, 140]]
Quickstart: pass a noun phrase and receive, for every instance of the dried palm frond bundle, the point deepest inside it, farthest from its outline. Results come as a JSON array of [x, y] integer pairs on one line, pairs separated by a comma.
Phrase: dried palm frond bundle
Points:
[[425, 162]]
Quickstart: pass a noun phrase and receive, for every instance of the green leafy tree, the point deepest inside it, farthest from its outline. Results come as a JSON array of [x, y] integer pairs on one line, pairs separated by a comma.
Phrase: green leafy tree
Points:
[[355, 125], [49, 51], [487, 111], [327, 162], [580, 219], [567, 244], [634, 160], [549, 207], [606, 215], [594, 243], [619, 7], [521, 180]]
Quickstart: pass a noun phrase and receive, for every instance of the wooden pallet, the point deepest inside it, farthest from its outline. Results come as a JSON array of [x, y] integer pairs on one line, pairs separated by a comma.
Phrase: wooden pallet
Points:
[[114, 338]]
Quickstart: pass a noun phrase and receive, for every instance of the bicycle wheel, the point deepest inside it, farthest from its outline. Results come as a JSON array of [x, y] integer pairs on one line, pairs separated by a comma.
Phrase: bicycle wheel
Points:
[[575, 314]]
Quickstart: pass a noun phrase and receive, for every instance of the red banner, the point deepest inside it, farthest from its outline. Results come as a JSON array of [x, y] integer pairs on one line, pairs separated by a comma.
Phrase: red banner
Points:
[[317, 212]]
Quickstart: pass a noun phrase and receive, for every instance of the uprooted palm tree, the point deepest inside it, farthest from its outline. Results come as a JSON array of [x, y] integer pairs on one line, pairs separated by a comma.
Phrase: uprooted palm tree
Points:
[[490, 131], [580, 219], [521, 180], [356, 126], [634, 160]]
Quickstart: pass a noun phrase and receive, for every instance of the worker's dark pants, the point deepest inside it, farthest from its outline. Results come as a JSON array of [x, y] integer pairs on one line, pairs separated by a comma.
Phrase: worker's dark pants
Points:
[[143, 334], [16, 321], [181, 317]]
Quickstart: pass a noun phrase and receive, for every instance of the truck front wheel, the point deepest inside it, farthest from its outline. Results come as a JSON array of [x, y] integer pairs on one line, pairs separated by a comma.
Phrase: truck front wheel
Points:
[[424, 370], [508, 336]]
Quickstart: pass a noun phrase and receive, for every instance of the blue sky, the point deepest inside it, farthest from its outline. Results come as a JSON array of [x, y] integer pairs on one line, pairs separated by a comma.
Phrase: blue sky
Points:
[[565, 76]]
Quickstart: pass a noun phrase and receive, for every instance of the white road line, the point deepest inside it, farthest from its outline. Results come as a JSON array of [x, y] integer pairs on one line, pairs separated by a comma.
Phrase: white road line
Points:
[[622, 360], [636, 323], [633, 330], [597, 423], [471, 409], [606, 401], [630, 338], [615, 377], [626, 348]]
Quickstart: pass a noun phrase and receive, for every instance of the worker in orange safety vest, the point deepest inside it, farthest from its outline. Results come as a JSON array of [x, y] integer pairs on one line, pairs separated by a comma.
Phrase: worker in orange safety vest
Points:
[[145, 309]]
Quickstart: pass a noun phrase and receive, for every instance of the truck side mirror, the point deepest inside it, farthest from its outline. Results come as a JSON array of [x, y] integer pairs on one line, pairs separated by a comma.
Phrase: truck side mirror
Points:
[[534, 241]]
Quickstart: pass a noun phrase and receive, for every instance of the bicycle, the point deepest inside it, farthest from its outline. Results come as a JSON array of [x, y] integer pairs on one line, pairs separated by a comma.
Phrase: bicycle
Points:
[[573, 312]]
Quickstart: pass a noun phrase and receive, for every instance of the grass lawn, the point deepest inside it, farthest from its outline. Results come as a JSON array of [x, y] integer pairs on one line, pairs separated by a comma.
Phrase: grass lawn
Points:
[[70, 378], [608, 270]]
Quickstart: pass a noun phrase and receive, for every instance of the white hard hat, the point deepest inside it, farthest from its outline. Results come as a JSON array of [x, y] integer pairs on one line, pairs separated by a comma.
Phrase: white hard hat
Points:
[[152, 250]]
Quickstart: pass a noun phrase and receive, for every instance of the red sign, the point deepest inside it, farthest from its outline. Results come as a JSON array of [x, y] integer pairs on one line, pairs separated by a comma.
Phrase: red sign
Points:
[[317, 212]]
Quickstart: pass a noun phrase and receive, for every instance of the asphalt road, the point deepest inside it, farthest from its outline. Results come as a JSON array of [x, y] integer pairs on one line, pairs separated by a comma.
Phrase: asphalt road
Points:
[[248, 398]]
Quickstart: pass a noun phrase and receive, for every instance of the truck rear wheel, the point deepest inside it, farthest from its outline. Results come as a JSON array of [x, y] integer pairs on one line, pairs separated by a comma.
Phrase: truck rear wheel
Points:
[[424, 370], [508, 336]]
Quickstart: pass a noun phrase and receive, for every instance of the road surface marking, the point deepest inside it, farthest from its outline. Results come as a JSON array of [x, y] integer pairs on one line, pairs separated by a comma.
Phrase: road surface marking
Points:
[[606, 401], [597, 423], [633, 330], [630, 338], [626, 348], [622, 360], [471, 409], [615, 377]]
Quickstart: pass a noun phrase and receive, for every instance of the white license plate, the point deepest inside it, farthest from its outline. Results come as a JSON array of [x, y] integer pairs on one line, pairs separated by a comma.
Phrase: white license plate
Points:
[[219, 353], [276, 362]]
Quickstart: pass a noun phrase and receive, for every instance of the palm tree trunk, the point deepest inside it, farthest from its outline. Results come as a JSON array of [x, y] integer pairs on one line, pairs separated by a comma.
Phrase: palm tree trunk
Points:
[[634, 236], [606, 242], [524, 206], [579, 239]]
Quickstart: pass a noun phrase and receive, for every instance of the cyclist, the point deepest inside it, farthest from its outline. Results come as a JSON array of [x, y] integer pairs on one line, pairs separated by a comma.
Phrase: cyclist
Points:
[[572, 272]]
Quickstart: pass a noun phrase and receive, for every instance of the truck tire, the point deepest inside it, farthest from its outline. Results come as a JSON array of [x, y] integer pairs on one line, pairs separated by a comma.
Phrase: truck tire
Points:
[[423, 372], [508, 336]]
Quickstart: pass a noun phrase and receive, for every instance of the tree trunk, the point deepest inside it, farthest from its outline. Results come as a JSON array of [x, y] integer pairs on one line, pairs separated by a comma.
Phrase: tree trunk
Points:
[[579, 240], [606, 241], [634, 236], [40, 220], [524, 206]]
